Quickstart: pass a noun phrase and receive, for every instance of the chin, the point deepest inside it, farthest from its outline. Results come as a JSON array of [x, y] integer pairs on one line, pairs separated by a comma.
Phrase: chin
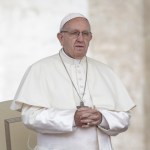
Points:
[[80, 55], [80, 52]]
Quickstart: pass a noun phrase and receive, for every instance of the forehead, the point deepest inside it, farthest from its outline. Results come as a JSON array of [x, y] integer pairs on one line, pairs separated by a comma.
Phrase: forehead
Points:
[[78, 24]]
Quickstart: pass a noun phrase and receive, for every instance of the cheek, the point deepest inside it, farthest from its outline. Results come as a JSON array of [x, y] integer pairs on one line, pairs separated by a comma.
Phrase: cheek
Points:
[[87, 43], [70, 43], [62, 42]]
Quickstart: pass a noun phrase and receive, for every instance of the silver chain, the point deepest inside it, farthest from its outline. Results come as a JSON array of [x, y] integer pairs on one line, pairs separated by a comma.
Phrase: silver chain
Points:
[[81, 98]]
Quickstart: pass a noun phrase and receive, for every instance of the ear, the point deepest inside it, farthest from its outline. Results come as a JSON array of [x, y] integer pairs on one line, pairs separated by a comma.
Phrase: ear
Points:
[[60, 38]]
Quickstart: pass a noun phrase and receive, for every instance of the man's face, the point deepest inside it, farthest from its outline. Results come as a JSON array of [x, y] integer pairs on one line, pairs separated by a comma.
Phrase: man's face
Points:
[[75, 37]]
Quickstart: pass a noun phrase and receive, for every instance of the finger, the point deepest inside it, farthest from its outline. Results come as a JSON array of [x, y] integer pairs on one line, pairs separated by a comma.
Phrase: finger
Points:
[[86, 121], [85, 115], [89, 110], [94, 117], [94, 111], [95, 123], [84, 108], [90, 115], [86, 126], [82, 114]]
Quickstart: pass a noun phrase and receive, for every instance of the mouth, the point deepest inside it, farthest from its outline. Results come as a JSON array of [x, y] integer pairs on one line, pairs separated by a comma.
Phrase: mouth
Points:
[[79, 46]]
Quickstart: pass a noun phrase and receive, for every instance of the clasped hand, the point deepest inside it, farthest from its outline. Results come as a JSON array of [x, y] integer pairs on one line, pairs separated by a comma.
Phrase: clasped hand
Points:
[[87, 117]]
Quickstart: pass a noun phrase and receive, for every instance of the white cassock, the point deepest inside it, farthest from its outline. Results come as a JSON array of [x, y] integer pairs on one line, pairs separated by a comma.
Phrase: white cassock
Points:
[[48, 102]]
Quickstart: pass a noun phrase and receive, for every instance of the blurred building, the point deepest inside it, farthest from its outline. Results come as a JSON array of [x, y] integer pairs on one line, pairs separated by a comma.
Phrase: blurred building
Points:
[[122, 39]]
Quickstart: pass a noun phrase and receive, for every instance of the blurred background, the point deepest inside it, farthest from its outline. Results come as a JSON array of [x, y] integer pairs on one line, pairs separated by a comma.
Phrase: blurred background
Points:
[[121, 39]]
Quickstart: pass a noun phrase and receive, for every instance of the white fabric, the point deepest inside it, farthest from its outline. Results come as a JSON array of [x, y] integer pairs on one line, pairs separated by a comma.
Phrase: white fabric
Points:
[[114, 122], [52, 113], [56, 120], [44, 79], [69, 17], [55, 129], [54, 133], [104, 124]]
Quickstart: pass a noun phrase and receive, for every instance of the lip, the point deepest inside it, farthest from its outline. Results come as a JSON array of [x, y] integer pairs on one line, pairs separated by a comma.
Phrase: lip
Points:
[[79, 46]]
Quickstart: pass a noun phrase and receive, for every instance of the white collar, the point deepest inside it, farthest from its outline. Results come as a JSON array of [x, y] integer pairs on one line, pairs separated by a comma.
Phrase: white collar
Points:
[[70, 60]]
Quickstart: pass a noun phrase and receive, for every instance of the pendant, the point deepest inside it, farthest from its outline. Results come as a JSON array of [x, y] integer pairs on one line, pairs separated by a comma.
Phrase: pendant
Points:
[[81, 105]]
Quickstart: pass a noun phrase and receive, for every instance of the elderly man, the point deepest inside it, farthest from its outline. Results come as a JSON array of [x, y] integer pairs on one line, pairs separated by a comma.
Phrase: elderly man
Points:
[[73, 102]]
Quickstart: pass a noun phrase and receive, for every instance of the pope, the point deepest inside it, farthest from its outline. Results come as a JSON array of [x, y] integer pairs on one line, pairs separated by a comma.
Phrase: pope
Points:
[[72, 101]]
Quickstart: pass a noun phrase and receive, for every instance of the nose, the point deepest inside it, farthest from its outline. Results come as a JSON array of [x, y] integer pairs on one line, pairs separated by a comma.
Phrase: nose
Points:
[[80, 37]]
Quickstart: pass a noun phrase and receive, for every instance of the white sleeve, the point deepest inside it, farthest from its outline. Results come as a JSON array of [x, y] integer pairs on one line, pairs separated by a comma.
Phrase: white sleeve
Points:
[[114, 123], [44, 120]]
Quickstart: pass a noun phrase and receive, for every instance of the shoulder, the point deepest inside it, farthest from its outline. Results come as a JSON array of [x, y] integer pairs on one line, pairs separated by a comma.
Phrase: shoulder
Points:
[[103, 69], [46, 62], [43, 65], [99, 65]]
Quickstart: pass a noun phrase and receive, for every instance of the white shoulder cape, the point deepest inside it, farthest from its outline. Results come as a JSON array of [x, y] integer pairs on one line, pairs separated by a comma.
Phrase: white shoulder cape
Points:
[[46, 84]]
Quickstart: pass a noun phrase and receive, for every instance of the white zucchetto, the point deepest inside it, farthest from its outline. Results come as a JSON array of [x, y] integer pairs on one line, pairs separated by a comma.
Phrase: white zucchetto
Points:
[[69, 17]]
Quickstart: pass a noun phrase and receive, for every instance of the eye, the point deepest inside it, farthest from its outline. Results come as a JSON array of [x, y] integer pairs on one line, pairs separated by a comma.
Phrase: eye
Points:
[[75, 33], [85, 33]]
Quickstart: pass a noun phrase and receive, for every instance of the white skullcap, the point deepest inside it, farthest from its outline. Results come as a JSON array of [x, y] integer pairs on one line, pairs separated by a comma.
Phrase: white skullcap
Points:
[[69, 17]]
